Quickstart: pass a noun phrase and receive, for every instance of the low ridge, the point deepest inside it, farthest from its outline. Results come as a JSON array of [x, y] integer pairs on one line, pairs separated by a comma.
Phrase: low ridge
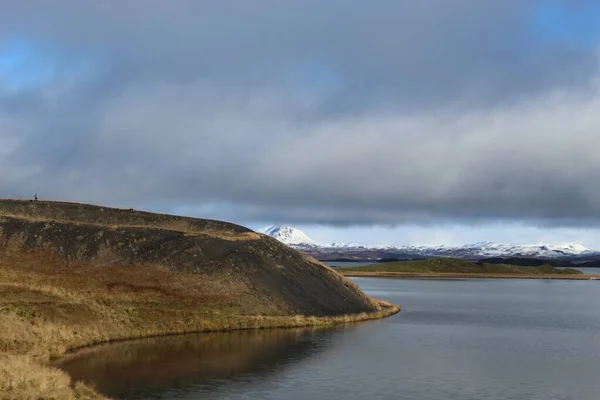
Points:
[[261, 268]]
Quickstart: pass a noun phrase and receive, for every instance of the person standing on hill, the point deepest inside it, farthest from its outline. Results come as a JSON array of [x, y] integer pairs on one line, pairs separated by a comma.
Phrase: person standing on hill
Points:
[[35, 197]]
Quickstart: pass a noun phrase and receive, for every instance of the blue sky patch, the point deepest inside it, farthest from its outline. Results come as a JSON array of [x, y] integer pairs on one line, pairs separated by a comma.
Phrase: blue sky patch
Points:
[[574, 25], [23, 65]]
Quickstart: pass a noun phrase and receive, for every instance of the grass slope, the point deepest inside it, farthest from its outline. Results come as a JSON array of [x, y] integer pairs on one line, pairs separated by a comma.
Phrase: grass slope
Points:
[[74, 275], [456, 266]]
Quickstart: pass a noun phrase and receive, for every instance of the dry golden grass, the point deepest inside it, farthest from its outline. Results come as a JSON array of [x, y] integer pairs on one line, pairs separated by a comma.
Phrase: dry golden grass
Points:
[[22, 378], [46, 311]]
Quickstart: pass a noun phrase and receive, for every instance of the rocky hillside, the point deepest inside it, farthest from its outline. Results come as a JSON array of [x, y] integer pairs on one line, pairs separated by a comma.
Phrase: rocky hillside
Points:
[[247, 267]]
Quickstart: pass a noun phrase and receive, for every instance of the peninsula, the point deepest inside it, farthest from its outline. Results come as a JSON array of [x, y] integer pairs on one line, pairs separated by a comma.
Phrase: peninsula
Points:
[[74, 275]]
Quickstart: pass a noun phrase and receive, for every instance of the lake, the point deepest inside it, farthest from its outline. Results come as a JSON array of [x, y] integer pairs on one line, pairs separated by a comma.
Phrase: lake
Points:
[[455, 339]]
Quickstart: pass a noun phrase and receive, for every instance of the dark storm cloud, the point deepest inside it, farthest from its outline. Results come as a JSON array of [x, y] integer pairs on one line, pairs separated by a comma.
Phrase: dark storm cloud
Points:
[[335, 112]]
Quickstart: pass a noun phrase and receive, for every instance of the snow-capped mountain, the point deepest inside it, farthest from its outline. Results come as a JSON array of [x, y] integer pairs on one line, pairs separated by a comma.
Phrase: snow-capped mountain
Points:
[[491, 249], [296, 238], [537, 250], [289, 235]]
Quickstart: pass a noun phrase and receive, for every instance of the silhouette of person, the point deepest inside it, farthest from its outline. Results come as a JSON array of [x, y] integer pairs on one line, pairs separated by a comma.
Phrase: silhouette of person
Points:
[[35, 197]]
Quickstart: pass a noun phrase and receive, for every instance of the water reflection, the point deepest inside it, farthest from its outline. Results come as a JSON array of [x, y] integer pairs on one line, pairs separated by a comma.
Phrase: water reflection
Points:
[[144, 368]]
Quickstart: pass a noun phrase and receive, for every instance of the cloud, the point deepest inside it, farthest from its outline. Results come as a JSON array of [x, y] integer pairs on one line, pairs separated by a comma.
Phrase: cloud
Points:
[[332, 113]]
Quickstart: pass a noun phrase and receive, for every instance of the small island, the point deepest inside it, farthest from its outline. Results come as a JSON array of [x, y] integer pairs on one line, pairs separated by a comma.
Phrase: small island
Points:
[[456, 268]]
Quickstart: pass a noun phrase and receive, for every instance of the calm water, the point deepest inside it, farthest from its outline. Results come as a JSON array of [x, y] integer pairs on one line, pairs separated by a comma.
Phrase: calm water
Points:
[[345, 264], [589, 271], [455, 339]]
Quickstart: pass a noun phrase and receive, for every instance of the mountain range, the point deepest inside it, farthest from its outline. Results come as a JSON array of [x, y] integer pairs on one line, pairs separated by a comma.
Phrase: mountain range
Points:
[[295, 238]]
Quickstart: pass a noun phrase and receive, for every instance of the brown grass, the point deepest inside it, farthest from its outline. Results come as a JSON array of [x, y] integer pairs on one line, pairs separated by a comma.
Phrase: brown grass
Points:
[[22, 378], [46, 311]]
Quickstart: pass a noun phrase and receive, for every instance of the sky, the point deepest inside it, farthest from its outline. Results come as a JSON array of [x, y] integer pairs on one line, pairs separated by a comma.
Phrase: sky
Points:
[[381, 122]]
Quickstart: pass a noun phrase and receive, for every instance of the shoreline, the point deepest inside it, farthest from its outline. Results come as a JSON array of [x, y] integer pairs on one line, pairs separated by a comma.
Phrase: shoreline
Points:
[[48, 313], [83, 390], [33, 373], [410, 275], [58, 384], [253, 323]]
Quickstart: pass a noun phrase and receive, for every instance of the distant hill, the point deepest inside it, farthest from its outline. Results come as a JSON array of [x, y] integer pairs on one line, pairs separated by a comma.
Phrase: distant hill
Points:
[[589, 264], [528, 262], [456, 266], [534, 262], [253, 267]]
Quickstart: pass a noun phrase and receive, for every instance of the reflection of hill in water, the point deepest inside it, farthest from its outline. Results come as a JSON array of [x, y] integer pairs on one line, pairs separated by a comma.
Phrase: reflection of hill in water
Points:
[[134, 369]]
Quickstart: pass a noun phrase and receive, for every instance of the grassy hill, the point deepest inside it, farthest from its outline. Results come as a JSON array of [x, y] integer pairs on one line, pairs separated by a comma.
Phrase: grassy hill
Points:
[[456, 266], [72, 275]]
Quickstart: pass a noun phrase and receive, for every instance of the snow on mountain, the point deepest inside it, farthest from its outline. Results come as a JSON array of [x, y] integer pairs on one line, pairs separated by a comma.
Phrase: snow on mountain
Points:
[[491, 249], [289, 235], [296, 238], [537, 250], [343, 245], [574, 248]]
